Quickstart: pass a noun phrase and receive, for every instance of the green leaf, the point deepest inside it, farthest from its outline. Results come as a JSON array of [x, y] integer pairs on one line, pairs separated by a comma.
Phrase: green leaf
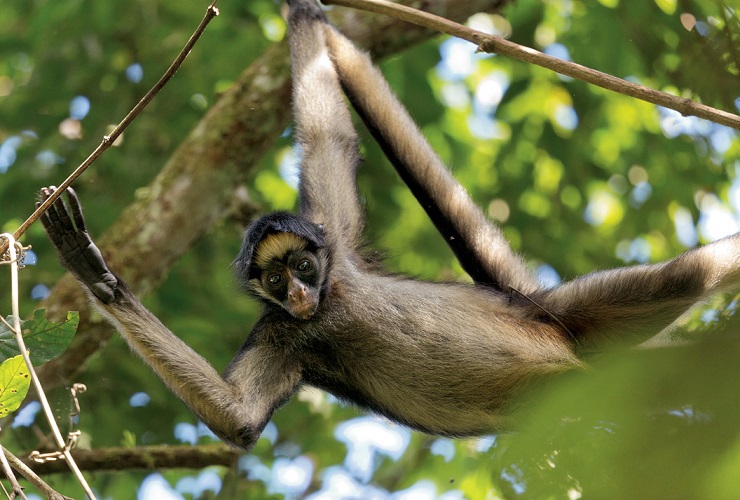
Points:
[[667, 6], [14, 383], [44, 339]]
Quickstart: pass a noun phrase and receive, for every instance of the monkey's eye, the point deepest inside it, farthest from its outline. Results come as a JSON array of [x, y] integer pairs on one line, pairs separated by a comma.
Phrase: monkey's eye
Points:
[[304, 265], [274, 279]]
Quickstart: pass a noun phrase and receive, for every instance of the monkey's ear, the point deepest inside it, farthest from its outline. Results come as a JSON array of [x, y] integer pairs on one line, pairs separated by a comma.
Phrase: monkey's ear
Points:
[[278, 222]]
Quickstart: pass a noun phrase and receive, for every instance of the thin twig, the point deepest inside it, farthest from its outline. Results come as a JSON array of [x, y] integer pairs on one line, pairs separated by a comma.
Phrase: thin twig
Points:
[[490, 44], [108, 140], [73, 434], [32, 477], [48, 412], [17, 488]]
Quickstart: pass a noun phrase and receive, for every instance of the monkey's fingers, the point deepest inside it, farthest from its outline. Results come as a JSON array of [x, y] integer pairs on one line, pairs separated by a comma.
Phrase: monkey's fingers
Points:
[[57, 217], [76, 208], [63, 215], [53, 210], [49, 222], [48, 227]]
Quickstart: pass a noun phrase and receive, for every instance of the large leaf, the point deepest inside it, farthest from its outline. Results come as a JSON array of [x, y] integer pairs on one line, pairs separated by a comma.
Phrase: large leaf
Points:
[[44, 339], [14, 383]]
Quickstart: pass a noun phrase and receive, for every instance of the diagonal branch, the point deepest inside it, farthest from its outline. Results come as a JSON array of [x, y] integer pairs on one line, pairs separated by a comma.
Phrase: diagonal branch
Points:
[[110, 139], [496, 44], [17, 464]]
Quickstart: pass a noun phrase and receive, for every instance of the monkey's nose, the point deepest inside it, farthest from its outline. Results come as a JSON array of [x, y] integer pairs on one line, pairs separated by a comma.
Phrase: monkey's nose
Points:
[[297, 293]]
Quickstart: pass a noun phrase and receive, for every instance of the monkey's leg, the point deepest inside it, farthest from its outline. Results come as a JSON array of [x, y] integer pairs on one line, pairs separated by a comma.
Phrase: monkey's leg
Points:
[[236, 410], [479, 245], [629, 305], [324, 130]]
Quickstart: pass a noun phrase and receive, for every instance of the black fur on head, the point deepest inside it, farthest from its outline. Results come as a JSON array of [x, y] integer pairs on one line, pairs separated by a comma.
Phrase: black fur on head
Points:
[[278, 222]]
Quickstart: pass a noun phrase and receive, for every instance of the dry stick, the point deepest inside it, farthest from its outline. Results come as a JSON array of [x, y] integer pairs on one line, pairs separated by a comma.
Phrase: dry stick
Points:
[[156, 457], [491, 43], [34, 377], [32, 477], [17, 489], [109, 139]]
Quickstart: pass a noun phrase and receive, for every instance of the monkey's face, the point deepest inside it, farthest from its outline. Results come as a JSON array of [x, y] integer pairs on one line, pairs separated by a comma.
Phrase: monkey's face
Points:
[[293, 281], [289, 272]]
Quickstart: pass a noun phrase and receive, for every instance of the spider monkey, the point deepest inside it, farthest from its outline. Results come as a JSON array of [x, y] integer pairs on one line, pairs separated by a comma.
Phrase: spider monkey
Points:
[[441, 358]]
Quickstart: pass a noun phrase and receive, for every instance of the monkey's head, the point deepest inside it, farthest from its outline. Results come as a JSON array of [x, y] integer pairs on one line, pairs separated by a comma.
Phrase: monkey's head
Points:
[[284, 261]]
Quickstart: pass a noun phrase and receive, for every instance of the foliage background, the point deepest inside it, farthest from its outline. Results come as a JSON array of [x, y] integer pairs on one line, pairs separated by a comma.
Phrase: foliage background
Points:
[[582, 178]]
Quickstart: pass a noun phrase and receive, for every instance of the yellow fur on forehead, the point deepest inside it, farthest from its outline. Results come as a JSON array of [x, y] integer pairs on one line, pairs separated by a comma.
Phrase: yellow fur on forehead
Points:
[[276, 245]]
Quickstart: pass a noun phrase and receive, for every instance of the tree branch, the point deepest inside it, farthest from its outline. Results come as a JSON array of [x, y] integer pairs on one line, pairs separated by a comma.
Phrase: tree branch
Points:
[[145, 457], [33, 478], [110, 139], [17, 490], [496, 44]]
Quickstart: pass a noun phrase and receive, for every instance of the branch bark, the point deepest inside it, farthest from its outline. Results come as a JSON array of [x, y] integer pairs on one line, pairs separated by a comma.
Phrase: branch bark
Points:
[[33, 478], [496, 44], [145, 457], [221, 152]]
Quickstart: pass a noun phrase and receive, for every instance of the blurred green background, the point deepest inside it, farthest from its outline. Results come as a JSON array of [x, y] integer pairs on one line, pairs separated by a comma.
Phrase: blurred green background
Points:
[[580, 178]]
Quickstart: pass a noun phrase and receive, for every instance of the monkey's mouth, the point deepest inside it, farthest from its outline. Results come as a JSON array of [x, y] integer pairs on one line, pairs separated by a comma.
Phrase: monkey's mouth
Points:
[[303, 310]]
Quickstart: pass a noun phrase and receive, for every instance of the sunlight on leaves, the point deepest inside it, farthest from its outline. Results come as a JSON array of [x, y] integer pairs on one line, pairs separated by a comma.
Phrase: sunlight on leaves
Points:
[[535, 204], [604, 208], [14, 384], [548, 172], [273, 26], [612, 4], [667, 6], [275, 190]]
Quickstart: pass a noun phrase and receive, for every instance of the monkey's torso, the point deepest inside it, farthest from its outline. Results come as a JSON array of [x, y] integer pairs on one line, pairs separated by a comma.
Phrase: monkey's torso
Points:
[[386, 346]]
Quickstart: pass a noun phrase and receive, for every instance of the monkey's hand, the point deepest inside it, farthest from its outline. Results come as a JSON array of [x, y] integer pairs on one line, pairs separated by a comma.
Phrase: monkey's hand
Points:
[[65, 227]]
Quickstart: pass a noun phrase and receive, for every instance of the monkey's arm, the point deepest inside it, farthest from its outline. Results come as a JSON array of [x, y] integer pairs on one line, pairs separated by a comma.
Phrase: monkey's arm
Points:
[[479, 245], [629, 305], [235, 408], [324, 129]]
